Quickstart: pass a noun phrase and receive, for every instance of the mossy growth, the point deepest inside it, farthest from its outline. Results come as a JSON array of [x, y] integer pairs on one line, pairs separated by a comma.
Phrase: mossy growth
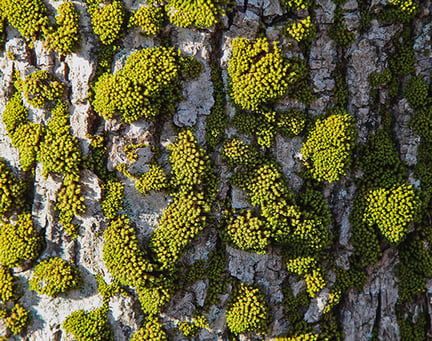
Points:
[[153, 299], [15, 113], [8, 285], [247, 232], [149, 18], [411, 328], [216, 265], [296, 5], [11, 190], [53, 276], [302, 30], [291, 123], [154, 179], [300, 337], [238, 153], [385, 205], [188, 329], [417, 92], [18, 320], [123, 256], [421, 123], [218, 118], [146, 87], [295, 306], [19, 242], [328, 147], [89, 326], [97, 160], [107, 20], [190, 67], [30, 17], [41, 88], [150, 330], [198, 13], [66, 36], [402, 62], [112, 200], [260, 74], [195, 273], [401, 11], [377, 79], [340, 34], [247, 310], [108, 291]]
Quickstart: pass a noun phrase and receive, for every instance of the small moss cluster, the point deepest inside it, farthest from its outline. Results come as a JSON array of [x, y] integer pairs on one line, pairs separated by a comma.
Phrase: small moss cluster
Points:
[[66, 37], [148, 18], [296, 4], [107, 21], [328, 147], [340, 34], [260, 74], [122, 254], [303, 30], [30, 17], [400, 11], [11, 190], [247, 310], [89, 326], [188, 329], [153, 299], [417, 92], [19, 242], [154, 179], [8, 285], [216, 265], [238, 153], [112, 200], [53, 276], [247, 232], [198, 13], [18, 320], [41, 88], [147, 86], [151, 330]]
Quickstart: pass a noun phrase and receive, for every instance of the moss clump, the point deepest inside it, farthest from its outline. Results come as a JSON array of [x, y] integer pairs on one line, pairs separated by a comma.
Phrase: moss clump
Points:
[[151, 330], [402, 62], [247, 310], [340, 34], [89, 326], [41, 88], [247, 232], [190, 67], [112, 200], [421, 123], [123, 257], [291, 123], [107, 21], [14, 114], [11, 190], [53, 276], [153, 180], [417, 92], [153, 299], [28, 16], [198, 13], [399, 10], [188, 329], [216, 265], [19, 242], [66, 37], [327, 149], [8, 285], [260, 74], [303, 30], [297, 5], [148, 18], [108, 290], [237, 153], [147, 86], [26, 139], [18, 320]]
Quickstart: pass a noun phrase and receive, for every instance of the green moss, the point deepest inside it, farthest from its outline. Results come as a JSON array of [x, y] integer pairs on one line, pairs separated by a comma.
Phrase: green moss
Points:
[[8, 285], [412, 329], [300, 337], [216, 265], [66, 37], [260, 74], [247, 310], [146, 87], [291, 123], [190, 67], [421, 123], [41, 88], [302, 30], [417, 92], [15, 113], [247, 232], [11, 190], [28, 16], [97, 161], [153, 180], [151, 330], [237, 153], [112, 200], [18, 320], [297, 5], [402, 62], [153, 299], [195, 273], [123, 257], [188, 329], [89, 326], [198, 13], [148, 18], [107, 21], [19, 242], [377, 79], [108, 291], [340, 34], [53, 276], [217, 120], [26, 139], [399, 10], [328, 147]]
